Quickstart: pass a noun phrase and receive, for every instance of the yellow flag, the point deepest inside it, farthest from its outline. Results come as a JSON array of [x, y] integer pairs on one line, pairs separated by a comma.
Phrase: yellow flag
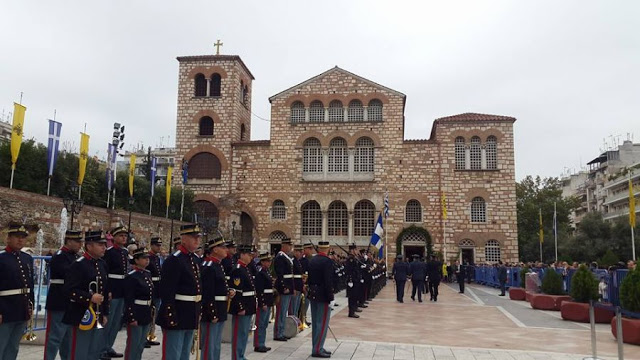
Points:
[[168, 184], [16, 132], [541, 229], [443, 203], [632, 206], [132, 171], [84, 155]]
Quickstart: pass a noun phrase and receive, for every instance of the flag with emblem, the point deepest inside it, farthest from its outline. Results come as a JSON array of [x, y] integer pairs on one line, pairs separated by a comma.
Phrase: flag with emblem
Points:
[[16, 132], [376, 237], [111, 154], [386, 204], [52, 146], [443, 205], [132, 171], [185, 172], [84, 156], [152, 175]]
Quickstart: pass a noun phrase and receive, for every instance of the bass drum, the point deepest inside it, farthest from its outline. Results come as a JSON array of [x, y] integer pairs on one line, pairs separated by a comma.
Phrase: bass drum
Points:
[[291, 326]]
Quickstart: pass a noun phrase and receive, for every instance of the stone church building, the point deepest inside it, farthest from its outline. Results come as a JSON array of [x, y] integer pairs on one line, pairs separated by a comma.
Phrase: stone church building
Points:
[[337, 146]]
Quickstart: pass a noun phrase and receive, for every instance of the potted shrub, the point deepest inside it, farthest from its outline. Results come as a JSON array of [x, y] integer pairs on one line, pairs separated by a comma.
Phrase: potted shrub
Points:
[[630, 301], [552, 294], [584, 288], [519, 293]]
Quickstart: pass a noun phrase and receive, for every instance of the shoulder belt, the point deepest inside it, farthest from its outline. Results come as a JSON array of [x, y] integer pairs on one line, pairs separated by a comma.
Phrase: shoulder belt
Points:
[[177, 253], [58, 252], [132, 272], [110, 247], [80, 258]]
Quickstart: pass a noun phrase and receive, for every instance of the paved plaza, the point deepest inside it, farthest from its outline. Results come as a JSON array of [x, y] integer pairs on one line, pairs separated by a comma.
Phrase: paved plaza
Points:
[[478, 325]]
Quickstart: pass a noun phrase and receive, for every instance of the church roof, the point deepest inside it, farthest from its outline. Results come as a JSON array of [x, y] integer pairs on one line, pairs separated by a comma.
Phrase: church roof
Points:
[[340, 70], [217, 58], [475, 117]]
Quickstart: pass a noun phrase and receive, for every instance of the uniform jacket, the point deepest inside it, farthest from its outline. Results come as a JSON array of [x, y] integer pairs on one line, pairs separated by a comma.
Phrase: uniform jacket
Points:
[[117, 259], [283, 266], [228, 264], [321, 278], [58, 269], [245, 298], [16, 272], [304, 261], [297, 274], [264, 288], [214, 289], [434, 270], [155, 269], [400, 271], [180, 276], [502, 273], [138, 286], [76, 288], [418, 270]]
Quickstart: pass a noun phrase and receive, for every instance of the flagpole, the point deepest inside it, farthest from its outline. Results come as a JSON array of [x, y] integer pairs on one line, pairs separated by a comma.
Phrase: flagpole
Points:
[[181, 203], [632, 216], [150, 204], [633, 244], [48, 185], [555, 228]]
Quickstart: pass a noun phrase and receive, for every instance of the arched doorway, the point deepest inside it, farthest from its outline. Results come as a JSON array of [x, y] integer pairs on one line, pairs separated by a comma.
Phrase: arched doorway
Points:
[[275, 239], [414, 240], [467, 251], [246, 229]]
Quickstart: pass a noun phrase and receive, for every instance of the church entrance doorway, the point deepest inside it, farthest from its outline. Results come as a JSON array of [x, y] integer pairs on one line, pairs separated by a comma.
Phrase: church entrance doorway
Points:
[[410, 250], [467, 256]]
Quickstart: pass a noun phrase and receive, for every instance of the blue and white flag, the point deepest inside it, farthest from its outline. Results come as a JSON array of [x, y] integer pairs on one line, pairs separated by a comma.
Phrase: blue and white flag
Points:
[[111, 155], [185, 172], [376, 237], [386, 204], [153, 175], [54, 141]]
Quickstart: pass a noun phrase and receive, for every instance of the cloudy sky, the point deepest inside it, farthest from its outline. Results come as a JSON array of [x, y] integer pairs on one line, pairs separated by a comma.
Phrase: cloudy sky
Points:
[[569, 71]]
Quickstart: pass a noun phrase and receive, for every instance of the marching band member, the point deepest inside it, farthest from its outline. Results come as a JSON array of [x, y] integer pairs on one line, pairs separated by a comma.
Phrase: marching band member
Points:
[[138, 298], [264, 295], [155, 269]]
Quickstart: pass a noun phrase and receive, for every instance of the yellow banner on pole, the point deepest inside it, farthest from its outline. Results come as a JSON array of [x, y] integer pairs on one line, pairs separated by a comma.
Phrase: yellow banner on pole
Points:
[[84, 156], [168, 184], [132, 171], [632, 206], [16, 132]]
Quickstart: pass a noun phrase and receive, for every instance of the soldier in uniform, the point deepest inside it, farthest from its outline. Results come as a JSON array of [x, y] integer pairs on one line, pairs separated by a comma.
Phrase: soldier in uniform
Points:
[[418, 274], [320, 295], [215, 297], [283, 267], [459, 269], [180, 296], [229, 262], [58, 335], [304, 261], [138, 299], [16, 291], [434, 273], [399, 273], [117, 258], [264, 295], [86, 288], [177, 241], [354, 282], [294, 307], [155, 268], [243, 305]]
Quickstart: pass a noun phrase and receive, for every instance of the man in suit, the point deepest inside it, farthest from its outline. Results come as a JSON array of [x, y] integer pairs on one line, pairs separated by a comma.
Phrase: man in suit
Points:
[[400, 271], [459, 271], [434, 272], [418, 274], [502, 277]]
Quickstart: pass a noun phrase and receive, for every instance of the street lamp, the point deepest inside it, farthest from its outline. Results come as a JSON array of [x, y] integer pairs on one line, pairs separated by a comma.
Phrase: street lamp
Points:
[[131, 201], [72, 203]]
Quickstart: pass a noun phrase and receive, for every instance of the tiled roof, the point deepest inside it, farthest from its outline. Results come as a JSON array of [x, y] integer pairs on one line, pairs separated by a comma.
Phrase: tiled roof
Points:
[[476, 117]]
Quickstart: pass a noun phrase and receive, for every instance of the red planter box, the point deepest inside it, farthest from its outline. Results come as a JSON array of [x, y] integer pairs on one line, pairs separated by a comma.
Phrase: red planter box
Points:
[[579, 312], [517, 294], [548, 302], [630, 330]]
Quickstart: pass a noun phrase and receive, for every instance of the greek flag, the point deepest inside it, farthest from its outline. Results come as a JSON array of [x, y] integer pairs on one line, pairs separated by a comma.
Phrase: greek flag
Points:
[[376, 237], [386, 204], [185, 172], [52, 148], [152, 175]]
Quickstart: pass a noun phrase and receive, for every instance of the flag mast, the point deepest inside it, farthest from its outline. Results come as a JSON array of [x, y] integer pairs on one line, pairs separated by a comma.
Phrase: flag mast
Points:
[[632, 217], [555, 228]]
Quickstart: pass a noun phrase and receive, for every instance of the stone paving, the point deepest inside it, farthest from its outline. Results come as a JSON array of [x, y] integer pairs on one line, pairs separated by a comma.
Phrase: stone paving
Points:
[[477, 325]]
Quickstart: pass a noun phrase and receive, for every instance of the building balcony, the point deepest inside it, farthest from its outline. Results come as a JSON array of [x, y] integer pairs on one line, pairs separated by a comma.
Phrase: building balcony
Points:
[[622, 196]]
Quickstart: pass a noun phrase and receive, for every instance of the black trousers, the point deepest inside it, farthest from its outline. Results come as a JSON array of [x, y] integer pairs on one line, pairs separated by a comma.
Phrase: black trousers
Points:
[[400, 289], [502, 287], [433, 288], [461, 283], [417, 287]]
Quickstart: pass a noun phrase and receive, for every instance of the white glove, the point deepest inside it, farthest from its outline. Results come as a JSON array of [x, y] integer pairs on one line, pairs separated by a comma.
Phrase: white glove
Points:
[[350, 284]]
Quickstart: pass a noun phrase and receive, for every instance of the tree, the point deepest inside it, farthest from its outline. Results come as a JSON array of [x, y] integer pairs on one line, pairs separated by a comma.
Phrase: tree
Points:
[[533, 195], [584, 286]]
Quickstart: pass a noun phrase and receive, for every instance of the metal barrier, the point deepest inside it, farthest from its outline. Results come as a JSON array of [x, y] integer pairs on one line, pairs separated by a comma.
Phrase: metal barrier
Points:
[[40, 289]]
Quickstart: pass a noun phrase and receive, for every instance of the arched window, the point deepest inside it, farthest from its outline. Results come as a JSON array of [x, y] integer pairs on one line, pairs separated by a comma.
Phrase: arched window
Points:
[[277, 236], [200, 85], [491, 150], [312, 156], [492, 251], [243, 133], [374, 110], [476, 154], [460, 154], [297, 112], [278, 211], [215, 87], [356, 111], [245, 96], [413, 211], [207, 212], [363, 218], [338, 155], [311, 219], [478, 210], [364, 157], [204, 165], [336, 111], [466, 243], [206, 126], [338, 220], [316, 112]]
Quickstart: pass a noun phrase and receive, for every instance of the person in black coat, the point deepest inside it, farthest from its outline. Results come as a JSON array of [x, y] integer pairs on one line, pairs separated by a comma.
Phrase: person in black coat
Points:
[[418, 272], [16, 291], [283, 267], [155, 268], [434, 273], [138, 299], [459, 271], [117, 258], [399, 272], [58, 336], [320, 295], [264, 295], [502, 277]]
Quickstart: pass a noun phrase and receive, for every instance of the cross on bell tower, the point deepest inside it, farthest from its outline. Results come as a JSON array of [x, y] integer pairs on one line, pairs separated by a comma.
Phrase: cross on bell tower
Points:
[[218, 44]]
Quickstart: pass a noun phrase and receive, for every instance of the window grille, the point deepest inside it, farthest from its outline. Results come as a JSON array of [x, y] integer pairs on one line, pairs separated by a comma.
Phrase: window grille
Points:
[[312, 156], [363, 218], [204, 165], [460, 154], [316, 112], [338, 220], [311, 219], [356, 111], [297, 112], [206, 126], [476, 154], [278, 211], [478, 210], [200, 85], [364, 155], [336, 111], [491, 151], [492, 251], [338, 156], [374, 110], [215, 85], [413, 211]]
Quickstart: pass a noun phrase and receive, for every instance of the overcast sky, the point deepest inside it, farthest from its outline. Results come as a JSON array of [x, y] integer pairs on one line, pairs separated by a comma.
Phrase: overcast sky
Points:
[[569, 71]]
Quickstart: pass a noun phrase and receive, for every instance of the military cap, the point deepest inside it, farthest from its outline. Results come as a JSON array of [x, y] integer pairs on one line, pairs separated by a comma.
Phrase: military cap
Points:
[[308, 245], [156, 241], [285, 240], [139, 252], [243, 249], [94, 237], [399, 256], [190, 229], [265, 256], [73, 235], [118, 230], [218, 241], [323, 244], [298, 247], [17, 229], [177, 241], [230, 244]]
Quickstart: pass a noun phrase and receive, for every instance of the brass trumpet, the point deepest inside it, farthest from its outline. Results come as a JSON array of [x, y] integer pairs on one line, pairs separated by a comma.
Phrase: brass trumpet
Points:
[[151, 336], [30, 335]]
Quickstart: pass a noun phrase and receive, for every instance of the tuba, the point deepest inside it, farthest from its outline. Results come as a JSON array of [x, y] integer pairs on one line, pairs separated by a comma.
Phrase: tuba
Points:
[[30, 335], [91, 317]]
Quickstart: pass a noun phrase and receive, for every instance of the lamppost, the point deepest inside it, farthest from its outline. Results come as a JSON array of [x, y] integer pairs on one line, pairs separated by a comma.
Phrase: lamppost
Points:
[[131, 201], [72, 203]]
